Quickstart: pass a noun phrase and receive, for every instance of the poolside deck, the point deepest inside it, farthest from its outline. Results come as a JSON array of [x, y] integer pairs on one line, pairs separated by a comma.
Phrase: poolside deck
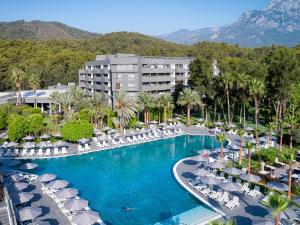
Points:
[[250, 209], [51, 211]]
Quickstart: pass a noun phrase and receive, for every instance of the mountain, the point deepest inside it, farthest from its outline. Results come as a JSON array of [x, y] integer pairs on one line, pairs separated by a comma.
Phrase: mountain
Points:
[[279, 24], [41, 30]]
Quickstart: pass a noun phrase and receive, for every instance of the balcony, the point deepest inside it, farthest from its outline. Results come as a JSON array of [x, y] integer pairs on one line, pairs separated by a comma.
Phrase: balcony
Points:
[[161, 87], [181, 78], [157, 70], [156, 78], [181, 70]]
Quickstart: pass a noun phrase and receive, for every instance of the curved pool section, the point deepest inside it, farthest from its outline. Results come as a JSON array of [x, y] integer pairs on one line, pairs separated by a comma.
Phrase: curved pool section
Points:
[[138, 177]]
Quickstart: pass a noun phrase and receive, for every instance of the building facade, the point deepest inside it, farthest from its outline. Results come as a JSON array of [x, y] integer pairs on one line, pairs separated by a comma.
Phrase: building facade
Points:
[[133, 74]]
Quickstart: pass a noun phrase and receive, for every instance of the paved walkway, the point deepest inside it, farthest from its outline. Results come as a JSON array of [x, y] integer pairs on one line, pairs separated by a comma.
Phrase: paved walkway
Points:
[[250, 209]]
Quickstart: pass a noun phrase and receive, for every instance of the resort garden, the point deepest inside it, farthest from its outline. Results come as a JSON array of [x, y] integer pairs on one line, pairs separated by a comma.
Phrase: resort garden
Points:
[[258, 98]]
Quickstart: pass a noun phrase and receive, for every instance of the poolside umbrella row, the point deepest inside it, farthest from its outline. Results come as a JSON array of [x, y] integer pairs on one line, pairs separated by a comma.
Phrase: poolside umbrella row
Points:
[[28, 138], [278, 186], [11, 144], [28, 166], [67, 193], [58, 184], [86, 218], [210, 180], [233, 171], [17, 177], [28, 145], [201, 172], [76, 204], [217, 165], [46, 177], [230, 186], [20, 186], [24, 197], [250, 178], [83, 140], [29, 213]]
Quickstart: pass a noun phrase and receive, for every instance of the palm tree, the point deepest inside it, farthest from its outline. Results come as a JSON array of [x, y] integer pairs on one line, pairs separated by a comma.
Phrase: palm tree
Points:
[[257, 90], [55, 99], [271, 128], [227, 80], [125, 108], [289, 158], [290, 124], [188, 98], [278, 203], [18, 76], [241, 134], [166, 102], [249, 147], [242, 83], [34, 83], [145, 100], [229, 222], [221, 138]]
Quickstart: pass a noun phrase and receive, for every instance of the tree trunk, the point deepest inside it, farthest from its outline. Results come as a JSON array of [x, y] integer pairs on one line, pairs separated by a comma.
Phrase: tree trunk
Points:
[[241, 114], [215, 112], [277, 220], [228, 107], [165, 115], [281, 137], [270, 138], [290, 181], [35, 104], [241, 151], [158, 116], [19, 102], [244, 106], [221, 152], [291, 138], [249, 161], [188, 115], [206, 113], [145, 117], [256, 122]]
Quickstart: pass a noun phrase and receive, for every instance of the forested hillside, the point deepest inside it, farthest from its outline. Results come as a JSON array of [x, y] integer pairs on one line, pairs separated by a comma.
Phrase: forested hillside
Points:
[[59, 60]]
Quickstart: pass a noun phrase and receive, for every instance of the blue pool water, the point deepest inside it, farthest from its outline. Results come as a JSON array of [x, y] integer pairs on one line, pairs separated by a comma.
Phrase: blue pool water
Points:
[[138, 177]]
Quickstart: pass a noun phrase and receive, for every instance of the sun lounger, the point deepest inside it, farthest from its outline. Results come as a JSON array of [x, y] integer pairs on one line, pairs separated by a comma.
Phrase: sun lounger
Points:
[[233, 203], [245, 188], [64, 150], [32, 152], [105, 144], [99, 145], [256, 191], [80, 148], [40, 152], [48, 152], [55, 151], [224, 198], [24, 152]]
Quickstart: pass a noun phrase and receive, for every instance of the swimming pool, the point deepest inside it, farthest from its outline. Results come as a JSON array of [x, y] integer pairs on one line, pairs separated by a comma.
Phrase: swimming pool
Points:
[[138, 177]]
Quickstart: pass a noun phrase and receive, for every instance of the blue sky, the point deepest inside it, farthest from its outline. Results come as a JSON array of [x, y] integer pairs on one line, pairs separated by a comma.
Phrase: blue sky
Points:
[[146, 16]]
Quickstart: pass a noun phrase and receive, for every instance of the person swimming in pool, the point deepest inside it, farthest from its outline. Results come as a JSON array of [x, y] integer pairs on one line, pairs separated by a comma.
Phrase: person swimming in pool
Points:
[[127, 208]]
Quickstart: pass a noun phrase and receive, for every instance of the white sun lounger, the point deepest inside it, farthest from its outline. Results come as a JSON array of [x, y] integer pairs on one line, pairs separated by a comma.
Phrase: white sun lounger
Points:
[[233, 203]]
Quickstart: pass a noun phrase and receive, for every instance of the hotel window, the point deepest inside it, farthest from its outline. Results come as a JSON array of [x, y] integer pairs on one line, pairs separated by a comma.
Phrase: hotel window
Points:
[[124, 67], [118, 85], [131, 85], [118, 76]]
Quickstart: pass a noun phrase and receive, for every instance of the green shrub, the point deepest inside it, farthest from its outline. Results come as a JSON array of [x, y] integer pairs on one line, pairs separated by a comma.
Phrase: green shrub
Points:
[[35, 124], [267, 155], [27, 111], [17, 127], [85, 114], [133, 122], [73, 131], [3, 120]]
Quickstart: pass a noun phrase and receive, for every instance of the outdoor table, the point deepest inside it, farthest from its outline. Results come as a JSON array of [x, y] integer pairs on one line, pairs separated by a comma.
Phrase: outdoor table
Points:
[[269, 168], [280, 164]]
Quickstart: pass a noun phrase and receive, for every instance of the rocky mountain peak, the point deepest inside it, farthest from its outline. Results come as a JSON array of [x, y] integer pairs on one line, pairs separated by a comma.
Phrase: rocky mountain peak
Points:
[[284, 6]]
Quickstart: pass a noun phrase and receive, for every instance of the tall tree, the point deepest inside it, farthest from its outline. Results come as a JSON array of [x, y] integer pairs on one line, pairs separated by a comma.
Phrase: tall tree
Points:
[[228, 81], [125, 109], [190, 99], [146, 102], [166, 102], [289, 158], [18, 76], [34, 83], [278, 203], [241, 134], [221, 138], [249, 147], [257, 90]]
